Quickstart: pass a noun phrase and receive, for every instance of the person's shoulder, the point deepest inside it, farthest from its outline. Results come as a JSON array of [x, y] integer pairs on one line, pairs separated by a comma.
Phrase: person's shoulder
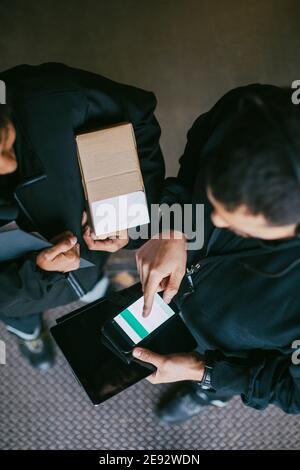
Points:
[[230, 101], [30, 81], [233, 97], [51, 82], [25, 72], [136, 99]]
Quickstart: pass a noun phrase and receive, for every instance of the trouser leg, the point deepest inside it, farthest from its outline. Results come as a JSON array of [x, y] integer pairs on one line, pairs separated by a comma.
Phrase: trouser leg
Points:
[[27, 327]]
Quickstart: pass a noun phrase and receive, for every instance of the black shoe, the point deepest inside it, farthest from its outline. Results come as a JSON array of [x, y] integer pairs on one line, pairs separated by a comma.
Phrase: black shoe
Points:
[[185, 402], [39, 352]]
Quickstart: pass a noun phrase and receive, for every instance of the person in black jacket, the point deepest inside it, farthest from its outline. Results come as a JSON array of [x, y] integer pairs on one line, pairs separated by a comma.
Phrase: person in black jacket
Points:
[[40, 187], [239, 295]]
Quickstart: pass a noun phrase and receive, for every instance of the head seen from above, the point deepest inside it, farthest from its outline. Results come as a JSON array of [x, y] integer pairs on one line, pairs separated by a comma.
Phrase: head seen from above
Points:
[[253, 181]]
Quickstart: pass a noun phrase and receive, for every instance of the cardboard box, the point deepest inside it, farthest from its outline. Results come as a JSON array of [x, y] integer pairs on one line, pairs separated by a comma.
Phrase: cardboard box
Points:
[[112, 179]]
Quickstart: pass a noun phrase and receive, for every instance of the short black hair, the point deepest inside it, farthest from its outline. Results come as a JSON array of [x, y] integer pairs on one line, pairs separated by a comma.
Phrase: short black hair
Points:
[[253, 163]]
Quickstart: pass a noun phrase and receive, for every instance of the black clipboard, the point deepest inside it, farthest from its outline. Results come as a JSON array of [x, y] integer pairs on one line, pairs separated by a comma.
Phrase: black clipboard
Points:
[[98, 369]]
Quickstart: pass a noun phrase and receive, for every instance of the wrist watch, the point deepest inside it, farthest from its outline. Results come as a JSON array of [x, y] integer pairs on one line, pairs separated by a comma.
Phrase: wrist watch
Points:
[[205, 382]]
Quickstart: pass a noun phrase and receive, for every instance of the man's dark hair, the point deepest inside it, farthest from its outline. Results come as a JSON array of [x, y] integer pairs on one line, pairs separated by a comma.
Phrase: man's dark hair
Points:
[[256, 161]]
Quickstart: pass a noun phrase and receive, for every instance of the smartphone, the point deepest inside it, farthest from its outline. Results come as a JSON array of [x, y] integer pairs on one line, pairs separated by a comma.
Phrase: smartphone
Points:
[[129, 328]]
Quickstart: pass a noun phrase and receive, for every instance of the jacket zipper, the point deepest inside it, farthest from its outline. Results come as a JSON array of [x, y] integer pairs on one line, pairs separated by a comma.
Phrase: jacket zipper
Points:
[[192, 270]]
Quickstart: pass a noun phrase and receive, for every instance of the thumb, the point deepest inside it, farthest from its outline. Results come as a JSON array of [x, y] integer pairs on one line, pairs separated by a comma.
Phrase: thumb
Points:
[[84, 218], [61, 247], [148, 356]]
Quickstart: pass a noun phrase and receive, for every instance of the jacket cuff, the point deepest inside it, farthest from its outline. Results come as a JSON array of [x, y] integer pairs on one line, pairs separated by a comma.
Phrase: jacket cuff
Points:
[[49, 277], [230, 378]]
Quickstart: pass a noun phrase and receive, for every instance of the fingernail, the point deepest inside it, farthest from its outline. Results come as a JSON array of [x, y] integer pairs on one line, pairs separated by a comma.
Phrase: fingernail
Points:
[[73, 240], [137, 352]]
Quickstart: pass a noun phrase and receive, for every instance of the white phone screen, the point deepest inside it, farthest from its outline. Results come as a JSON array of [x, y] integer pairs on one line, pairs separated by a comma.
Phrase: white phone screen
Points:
[[132, 322]]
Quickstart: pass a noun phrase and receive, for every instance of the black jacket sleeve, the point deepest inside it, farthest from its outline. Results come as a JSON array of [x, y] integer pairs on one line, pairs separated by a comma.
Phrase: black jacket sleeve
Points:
[[267, 378], [26, 289], [180, 189], [147, 134], [136, 106]]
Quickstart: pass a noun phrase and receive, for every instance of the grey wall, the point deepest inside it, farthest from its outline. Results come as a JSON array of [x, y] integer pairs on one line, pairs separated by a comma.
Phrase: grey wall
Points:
[[188, 51]]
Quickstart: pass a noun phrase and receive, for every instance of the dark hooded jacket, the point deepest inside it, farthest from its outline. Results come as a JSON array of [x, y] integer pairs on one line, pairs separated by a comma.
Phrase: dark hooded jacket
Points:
[[245, 308], [50, 104]]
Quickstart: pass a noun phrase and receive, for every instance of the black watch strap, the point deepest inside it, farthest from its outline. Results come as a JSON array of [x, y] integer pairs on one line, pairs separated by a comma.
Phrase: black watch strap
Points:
[[205, 382]]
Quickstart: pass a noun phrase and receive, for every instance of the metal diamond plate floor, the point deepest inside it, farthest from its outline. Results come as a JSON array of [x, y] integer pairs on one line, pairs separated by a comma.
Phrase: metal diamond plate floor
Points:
[[51, 411]]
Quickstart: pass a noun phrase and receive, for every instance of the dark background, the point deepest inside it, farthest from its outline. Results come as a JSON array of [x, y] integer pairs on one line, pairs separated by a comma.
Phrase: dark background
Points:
[[189, 52]]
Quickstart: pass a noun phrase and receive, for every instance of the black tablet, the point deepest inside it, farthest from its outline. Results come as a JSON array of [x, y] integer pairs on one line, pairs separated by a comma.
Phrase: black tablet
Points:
[[102, 373]]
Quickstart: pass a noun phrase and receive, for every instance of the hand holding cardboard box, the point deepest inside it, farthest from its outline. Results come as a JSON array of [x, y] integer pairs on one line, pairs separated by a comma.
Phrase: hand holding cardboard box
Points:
[[112, 179]]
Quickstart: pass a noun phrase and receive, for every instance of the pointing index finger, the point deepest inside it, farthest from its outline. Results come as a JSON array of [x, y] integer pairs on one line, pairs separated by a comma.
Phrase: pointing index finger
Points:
[[150, 289]]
